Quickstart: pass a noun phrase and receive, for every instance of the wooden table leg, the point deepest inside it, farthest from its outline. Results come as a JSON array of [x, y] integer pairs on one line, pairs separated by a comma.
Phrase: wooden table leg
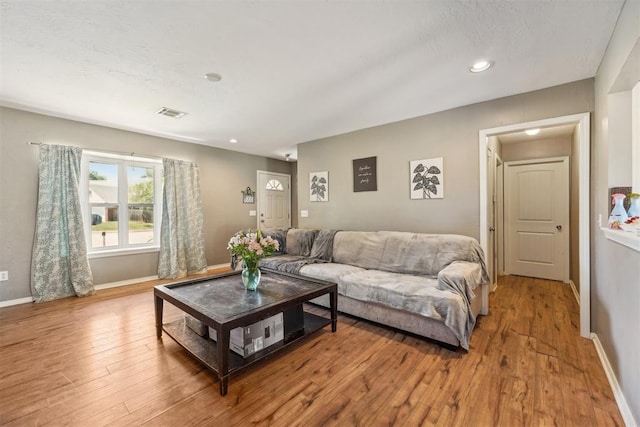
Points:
[[333, 303], [223, 360], [158, 305]]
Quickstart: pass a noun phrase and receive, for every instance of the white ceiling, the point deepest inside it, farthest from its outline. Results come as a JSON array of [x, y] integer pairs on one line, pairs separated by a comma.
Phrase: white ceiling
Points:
[[292, 71]]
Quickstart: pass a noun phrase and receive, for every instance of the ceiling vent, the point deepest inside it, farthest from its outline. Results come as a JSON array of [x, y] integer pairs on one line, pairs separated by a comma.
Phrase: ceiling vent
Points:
[[169, 112]]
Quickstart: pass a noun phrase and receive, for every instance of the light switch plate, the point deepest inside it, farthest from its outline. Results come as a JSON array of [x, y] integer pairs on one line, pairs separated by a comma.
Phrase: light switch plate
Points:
[[4, 275], [304, 213], [252, 213]]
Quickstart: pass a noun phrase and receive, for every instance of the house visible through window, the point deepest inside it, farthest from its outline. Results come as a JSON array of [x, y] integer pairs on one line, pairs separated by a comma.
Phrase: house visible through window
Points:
[[121, 197]]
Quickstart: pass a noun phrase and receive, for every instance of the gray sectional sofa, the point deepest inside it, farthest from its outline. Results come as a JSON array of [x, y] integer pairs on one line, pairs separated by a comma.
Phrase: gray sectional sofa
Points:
[[426, 284]]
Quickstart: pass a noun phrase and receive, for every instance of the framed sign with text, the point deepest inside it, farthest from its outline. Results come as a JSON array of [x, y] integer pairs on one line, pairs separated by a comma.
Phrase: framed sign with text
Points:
[[365, 175]]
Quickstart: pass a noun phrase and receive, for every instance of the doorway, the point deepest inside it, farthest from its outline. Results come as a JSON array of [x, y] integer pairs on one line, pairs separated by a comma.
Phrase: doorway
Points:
[[274, 200], [537, 218], [580, 157]]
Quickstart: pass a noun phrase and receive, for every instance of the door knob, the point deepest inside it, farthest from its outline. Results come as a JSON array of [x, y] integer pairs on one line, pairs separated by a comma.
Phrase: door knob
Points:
[[559, 227]]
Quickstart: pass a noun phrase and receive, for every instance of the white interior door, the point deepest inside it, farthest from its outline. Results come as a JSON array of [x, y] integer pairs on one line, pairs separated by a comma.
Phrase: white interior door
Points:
[[274, 200], [537, 218]]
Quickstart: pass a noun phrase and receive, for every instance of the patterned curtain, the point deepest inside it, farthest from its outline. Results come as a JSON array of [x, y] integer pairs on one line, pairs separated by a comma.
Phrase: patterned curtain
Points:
[[59, 264], [181, 232]]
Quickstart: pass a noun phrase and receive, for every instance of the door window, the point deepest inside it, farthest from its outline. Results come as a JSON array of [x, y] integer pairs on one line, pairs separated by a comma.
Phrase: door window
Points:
[[274, 184]]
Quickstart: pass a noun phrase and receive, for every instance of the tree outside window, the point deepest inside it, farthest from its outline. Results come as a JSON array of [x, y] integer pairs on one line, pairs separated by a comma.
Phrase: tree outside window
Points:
[[117, 186]]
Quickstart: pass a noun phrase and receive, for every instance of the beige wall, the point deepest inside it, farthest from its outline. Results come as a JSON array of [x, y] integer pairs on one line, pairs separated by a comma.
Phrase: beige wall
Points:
[[294, 194], [223, 175], [615, 269], [451, 134], [619, 134]]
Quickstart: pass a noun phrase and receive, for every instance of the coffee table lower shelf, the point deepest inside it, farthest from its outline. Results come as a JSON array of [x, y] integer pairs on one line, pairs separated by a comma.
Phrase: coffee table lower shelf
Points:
[[206, 350]]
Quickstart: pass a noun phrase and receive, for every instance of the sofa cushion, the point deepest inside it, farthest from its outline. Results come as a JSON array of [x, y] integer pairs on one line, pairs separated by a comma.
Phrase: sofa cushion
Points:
[[280, 236], [426, 254], [300, 241], [461, 277], [331, 272], [415, 294], [359, 248], [402, 252], [277, 262], [323, 245]]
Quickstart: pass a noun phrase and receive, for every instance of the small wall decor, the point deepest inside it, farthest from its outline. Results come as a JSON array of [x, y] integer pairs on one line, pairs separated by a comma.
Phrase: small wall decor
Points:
[[319, 186], [426, 179], [248, 196], [365, 174]]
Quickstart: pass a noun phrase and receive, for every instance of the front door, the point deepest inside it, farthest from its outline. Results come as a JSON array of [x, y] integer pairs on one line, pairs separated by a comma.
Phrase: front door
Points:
[[537, 218], [274, 200]]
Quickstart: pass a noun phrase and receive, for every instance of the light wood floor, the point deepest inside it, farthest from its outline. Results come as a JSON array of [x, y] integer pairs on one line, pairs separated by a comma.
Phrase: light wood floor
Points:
[[96, 361]]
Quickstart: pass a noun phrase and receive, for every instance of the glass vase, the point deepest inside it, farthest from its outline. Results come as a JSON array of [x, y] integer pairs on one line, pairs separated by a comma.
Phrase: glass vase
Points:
[[634, 209], [250, 278], [618, 214]]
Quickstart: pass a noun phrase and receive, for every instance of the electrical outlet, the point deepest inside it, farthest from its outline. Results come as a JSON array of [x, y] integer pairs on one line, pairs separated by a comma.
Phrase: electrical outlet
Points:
[[4, 275]]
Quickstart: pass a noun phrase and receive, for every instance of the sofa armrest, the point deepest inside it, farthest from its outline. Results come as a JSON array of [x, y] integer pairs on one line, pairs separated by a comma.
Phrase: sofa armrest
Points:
[[461, 277]]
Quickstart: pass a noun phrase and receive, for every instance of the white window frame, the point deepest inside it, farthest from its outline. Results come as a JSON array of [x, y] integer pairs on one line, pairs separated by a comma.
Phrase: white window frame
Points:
[[123, 247]]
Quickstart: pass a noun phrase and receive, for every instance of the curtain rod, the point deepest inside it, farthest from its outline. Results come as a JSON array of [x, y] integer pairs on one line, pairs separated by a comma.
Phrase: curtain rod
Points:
[[121, 153]]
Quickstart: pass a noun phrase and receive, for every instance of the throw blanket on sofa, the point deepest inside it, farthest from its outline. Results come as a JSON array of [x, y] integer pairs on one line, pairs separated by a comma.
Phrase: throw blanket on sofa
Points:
[[303, 247], [414, 294], [429, 275], [288, 263]]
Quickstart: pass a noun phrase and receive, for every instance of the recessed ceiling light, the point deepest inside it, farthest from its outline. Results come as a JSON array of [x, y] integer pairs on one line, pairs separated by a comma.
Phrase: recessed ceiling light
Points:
[[480, 66], [532, 132], [213, 77], [233, 141]]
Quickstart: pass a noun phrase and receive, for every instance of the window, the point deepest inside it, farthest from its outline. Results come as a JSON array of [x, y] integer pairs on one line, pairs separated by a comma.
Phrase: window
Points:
[[121, 198], [275, 185]]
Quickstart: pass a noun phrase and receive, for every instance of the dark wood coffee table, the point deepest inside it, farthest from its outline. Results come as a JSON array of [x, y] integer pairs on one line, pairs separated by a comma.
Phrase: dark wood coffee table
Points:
[[222, 303]]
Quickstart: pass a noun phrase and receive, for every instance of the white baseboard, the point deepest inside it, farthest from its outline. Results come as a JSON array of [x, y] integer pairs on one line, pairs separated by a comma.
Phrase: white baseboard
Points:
[[575, 291], [625, 411], [125, 282], [8, 303], [103, 286], [144, 279]]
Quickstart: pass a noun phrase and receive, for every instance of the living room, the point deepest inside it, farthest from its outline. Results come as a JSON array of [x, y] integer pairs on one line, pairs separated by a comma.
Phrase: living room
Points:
[[450, 132]]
